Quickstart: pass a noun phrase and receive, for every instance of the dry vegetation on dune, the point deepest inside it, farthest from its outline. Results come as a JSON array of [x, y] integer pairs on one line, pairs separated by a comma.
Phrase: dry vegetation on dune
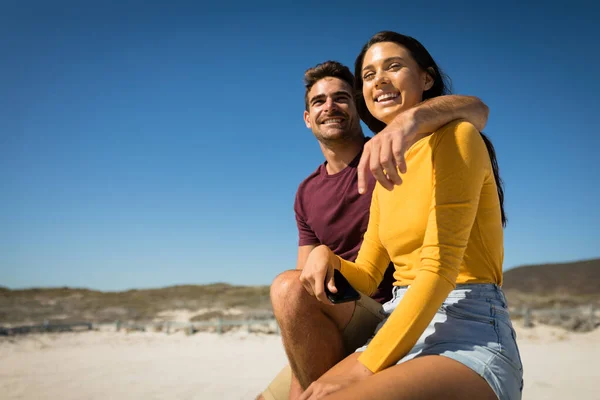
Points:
[[536, 287], [554, 285], [565, 295], [67, 304]]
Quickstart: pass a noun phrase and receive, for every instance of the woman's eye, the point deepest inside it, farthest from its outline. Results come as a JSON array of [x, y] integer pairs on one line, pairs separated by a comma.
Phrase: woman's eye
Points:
[[394, 66], [368, 76]]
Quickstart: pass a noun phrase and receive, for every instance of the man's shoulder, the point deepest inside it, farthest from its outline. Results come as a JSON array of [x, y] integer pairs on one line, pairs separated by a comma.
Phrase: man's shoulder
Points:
[[311, 179], [306, 189]]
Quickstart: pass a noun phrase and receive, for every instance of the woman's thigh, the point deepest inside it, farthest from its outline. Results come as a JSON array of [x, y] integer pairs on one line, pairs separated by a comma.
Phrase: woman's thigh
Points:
[[427, 377]]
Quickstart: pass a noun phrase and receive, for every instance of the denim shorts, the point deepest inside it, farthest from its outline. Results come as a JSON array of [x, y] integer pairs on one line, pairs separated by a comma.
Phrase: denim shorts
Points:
[[472, 327]]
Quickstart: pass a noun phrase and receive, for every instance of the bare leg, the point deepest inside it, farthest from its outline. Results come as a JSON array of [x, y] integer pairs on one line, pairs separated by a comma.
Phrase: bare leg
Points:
[[428, 377], [295, 389], [311, 331]]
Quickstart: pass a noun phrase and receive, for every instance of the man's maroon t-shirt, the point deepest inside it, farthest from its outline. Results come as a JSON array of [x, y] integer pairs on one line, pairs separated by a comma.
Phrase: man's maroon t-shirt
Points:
[[330, 211]]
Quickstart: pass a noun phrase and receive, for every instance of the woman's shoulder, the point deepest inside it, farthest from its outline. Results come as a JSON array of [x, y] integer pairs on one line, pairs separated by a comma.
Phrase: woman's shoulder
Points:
[[456, 131], [458, 126]]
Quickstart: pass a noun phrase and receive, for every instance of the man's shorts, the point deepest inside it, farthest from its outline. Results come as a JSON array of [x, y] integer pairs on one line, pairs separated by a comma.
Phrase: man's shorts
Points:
[[367, 315]]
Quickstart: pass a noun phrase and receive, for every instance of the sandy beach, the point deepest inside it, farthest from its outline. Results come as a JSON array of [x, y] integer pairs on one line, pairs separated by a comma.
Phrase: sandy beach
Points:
[[235, 365]]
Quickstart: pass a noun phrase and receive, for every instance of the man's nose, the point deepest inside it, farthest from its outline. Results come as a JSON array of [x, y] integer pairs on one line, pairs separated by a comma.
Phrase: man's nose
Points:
[[330, 104]]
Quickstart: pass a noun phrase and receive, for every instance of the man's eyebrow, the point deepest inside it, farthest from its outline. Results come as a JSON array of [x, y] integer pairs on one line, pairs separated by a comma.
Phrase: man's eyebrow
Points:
[[322, 96], [370, 66]]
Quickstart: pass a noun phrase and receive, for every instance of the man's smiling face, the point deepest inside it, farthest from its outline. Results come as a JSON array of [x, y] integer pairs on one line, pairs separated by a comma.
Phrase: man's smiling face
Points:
[[331, 111]]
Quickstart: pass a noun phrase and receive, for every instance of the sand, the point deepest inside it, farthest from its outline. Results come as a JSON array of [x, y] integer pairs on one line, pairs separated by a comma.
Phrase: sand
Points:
[[235, 365]]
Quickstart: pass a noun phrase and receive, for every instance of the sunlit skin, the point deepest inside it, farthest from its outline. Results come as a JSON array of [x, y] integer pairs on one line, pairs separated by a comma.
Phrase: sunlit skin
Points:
[[390, 71]]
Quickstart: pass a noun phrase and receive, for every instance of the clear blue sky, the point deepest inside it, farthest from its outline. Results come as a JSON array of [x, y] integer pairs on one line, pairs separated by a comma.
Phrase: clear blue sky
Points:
[[145, 145]]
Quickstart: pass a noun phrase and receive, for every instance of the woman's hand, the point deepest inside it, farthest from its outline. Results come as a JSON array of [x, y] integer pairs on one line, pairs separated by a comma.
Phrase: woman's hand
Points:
[[318, 270], [323, 387], [330, 384]]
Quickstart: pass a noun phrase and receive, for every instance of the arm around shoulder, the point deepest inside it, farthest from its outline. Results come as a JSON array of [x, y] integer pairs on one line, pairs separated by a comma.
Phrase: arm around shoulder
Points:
[[434, 113]]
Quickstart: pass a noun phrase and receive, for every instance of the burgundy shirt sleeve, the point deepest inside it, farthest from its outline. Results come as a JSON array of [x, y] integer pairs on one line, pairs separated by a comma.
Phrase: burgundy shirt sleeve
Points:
[[306, 236]]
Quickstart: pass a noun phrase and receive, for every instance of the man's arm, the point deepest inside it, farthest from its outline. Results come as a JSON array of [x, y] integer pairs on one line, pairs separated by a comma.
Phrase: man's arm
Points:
[[303, 252], [434, 113], [385, 152], [307, 239]]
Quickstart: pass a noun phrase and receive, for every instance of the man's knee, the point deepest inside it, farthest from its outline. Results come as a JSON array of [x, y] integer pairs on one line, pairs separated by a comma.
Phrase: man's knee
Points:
[[290, 299], [287, 291]]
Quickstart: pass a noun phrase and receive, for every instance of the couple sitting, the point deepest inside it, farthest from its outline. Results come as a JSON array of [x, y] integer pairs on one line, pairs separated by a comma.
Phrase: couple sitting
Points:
[[424, 244]]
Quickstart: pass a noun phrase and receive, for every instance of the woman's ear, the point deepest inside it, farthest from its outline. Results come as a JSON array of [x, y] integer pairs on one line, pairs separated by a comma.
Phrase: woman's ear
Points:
[[429, 79]]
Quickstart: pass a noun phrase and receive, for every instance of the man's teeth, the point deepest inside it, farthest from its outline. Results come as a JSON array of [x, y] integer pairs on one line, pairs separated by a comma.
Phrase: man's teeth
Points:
[[387, 96], [332, 121]]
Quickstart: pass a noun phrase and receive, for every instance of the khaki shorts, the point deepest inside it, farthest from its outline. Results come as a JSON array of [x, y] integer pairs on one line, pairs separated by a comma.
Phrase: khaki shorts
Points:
[[367, 315]]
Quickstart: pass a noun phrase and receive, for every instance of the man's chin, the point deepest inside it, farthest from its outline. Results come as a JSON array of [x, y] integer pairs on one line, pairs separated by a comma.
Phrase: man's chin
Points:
[[335, 135], [336, 130]]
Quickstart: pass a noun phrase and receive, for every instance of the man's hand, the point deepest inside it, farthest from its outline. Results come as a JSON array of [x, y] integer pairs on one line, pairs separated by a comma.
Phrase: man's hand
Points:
[[319, 268], [383, 155], [330, 384]]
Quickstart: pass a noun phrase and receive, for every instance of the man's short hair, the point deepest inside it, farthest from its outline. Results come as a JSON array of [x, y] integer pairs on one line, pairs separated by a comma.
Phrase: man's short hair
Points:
[[328, 69]]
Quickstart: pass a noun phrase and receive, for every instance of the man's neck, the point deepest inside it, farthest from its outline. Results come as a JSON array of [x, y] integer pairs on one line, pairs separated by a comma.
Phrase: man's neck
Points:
[[339, 155]]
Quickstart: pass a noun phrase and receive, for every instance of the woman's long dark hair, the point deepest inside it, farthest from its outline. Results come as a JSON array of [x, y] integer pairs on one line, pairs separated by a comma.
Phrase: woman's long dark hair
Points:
[[440, 87]]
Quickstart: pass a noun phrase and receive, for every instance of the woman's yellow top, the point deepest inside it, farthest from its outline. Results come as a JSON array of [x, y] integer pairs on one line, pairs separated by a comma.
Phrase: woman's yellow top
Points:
[[440, 227]]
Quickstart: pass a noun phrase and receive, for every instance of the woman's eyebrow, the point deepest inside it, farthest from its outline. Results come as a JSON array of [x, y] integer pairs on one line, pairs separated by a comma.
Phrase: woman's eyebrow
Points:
[[370, 66]]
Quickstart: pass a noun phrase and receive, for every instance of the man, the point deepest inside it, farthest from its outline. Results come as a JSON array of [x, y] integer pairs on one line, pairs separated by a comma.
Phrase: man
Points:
[[330, 210]]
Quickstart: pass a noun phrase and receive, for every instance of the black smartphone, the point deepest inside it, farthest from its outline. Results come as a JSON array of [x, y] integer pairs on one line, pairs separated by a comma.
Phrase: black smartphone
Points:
[[345, 291]]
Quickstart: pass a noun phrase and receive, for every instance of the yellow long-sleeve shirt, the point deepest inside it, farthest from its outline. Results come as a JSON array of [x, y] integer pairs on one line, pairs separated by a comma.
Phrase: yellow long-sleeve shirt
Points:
[[441, 227]]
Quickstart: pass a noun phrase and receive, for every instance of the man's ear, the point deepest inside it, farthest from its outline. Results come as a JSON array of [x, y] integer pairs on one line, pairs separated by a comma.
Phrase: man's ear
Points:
[[429, 79], [307, 119]]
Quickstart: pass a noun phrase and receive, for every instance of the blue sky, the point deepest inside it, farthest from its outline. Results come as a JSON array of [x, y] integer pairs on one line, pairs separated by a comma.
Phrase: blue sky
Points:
[[146, 144]]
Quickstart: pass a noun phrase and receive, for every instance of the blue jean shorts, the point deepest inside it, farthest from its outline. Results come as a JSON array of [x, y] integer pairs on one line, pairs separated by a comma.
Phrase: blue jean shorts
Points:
[[472, 327]]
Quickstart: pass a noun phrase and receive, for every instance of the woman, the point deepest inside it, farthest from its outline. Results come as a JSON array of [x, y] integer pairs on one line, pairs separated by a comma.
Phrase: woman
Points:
[[447, 326]]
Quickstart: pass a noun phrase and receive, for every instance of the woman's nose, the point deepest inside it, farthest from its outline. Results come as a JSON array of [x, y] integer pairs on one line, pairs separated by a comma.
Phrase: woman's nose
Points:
[[381, 79]]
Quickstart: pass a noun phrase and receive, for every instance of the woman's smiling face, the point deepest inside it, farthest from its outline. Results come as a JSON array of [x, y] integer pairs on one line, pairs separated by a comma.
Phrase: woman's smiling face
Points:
[[392, 80]]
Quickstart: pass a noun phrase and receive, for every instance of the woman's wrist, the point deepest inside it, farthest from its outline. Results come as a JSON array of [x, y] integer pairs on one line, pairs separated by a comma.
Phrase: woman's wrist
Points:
[[335, 261]]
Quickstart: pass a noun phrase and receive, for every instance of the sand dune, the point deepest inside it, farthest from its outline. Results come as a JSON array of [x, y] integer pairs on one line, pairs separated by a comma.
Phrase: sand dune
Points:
[[236, 365]]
